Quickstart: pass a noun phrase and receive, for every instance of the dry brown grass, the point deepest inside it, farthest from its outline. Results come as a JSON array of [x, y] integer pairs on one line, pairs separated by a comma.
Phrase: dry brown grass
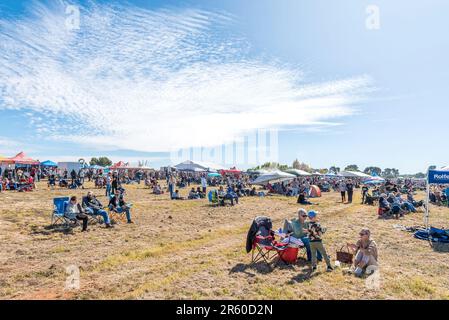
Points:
[[187, 249]]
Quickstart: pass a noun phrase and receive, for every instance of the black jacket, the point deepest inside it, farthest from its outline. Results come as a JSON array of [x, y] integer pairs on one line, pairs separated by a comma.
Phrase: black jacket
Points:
[[258, 222]]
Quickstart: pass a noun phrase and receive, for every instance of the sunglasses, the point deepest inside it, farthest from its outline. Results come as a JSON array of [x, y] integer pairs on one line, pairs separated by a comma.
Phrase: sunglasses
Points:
[[363, 234]]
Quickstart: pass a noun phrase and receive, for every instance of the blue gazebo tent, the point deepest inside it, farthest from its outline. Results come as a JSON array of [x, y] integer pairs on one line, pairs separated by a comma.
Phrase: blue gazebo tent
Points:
[[49, 163]]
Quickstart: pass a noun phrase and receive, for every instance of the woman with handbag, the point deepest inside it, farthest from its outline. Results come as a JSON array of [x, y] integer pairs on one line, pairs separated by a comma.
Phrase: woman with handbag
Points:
[[366, 252]]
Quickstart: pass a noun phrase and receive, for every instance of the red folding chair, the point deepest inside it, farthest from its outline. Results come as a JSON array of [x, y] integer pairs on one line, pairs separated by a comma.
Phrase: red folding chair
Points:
[[263, 250]]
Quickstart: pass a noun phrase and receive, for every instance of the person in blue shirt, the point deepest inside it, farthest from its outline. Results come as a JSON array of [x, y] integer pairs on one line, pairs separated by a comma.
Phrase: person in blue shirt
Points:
[[231, 195]]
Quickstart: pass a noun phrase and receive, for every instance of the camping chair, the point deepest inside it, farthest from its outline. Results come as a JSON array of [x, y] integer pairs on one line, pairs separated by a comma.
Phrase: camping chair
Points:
[[59, 210], [213, 198], [267, 249], [114, 215], [263, 250], [58, 213], [92, 217]]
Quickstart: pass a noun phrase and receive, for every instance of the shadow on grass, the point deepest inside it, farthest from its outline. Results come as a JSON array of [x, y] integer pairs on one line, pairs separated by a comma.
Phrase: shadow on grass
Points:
[[49, 230], [262, 267], [440, 247]]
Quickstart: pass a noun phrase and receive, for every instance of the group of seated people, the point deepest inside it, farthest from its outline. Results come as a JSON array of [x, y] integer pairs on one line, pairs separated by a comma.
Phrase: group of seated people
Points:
[[393, 204], [196, 194], [65, 182], [22, 184], [439, 196], [91, 206]]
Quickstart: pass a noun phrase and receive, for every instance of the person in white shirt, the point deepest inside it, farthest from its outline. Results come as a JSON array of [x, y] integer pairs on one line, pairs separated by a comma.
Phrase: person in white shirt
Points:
[[204, 183]]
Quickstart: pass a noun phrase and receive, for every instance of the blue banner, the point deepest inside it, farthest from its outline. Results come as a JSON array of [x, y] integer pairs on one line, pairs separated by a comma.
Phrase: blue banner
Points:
[[438, 177]]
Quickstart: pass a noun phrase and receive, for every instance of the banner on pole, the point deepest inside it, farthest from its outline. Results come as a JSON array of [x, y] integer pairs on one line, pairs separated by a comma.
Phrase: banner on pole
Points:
[[438, 177]]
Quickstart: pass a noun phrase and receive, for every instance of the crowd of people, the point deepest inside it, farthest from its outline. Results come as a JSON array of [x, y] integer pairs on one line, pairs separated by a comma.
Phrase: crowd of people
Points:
[[307, 228]]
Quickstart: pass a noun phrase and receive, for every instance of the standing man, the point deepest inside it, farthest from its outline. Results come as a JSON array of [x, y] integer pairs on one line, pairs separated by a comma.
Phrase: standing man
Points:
[[114, 184], [350, 189], [342, 189], [171, 185], [108, 184], [73, 176], [204, 183], [365, 190]]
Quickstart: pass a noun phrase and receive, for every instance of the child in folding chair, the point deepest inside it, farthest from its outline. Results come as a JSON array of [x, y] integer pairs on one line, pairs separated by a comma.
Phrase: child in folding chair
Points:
[[316, 243], [74, 211], [118, 204]]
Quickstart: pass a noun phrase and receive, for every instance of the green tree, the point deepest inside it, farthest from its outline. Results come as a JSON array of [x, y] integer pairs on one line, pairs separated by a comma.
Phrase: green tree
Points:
[[352, 167], [104, 162], [420, 175], [334, 169], [93, 162], [101, 161], [371, 170]]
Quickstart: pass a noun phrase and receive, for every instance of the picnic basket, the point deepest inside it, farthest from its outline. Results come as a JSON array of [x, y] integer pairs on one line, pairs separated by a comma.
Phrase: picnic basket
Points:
[[344, 256]]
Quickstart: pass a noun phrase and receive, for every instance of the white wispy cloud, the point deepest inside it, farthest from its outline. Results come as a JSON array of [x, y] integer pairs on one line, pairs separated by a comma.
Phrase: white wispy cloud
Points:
[[153, 80]]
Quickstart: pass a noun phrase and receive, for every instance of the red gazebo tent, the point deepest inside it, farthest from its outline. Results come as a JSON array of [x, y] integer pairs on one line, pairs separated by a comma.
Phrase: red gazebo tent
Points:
[[233, 171], [119, 165], [20, 158]]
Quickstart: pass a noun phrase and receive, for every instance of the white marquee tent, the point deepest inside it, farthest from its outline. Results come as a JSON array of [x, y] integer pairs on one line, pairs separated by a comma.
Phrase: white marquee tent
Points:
[[198, 166], [273, 177]]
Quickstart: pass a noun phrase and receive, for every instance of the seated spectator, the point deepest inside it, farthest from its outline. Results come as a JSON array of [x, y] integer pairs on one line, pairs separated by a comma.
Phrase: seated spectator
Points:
[[366, 252], [118, 204], [176, 195], [298, 228], [221, 195], [384, 205], [51, 181], [200, 193], [253, 192], [232, 196], [94, 207], [74, 211], [193, 194], [302, 198], [157, 189]]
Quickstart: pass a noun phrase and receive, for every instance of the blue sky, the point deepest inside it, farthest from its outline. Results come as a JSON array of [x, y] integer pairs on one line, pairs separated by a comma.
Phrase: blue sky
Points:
[[377, 97]]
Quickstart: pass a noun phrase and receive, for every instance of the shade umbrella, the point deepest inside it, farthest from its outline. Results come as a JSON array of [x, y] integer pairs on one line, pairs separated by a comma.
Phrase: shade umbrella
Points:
[[298, 173], [213, 175], [273, 177]]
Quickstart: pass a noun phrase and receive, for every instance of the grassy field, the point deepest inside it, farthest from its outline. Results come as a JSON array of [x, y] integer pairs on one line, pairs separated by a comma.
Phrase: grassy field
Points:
[[190, 250]]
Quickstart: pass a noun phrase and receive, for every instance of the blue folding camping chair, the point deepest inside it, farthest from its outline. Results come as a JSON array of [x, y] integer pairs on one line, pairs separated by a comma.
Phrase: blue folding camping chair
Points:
[[60, 204]]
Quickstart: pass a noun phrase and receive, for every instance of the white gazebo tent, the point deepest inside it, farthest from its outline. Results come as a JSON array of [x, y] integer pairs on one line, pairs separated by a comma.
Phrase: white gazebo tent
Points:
[[354, 174], [198, 166], [299, 173], [273, 177]]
